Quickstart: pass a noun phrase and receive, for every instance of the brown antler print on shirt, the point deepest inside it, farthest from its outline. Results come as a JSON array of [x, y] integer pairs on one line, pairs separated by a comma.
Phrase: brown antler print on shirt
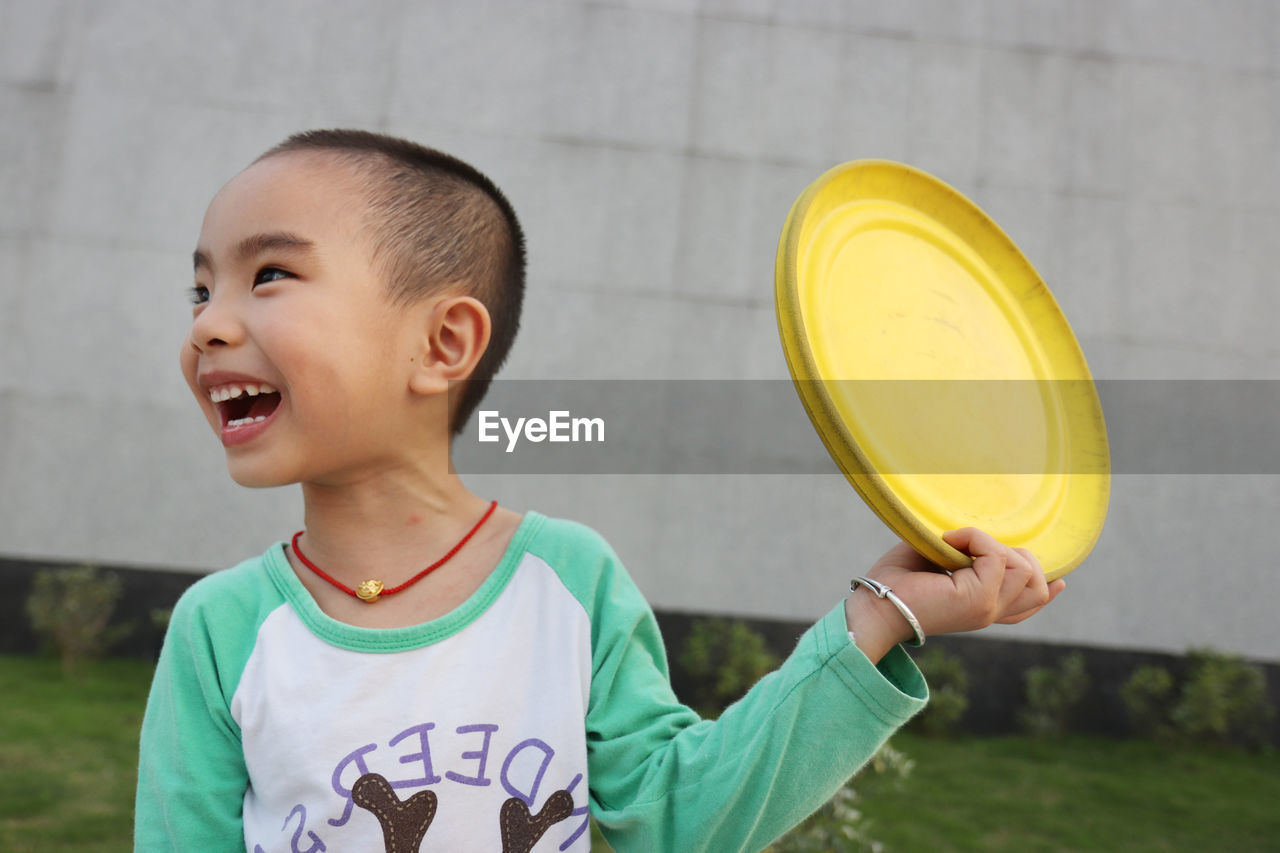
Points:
[[521, 830], [404, 824]]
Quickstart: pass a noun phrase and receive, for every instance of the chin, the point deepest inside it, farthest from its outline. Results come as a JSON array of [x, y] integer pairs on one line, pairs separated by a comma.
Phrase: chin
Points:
[[257, 477]]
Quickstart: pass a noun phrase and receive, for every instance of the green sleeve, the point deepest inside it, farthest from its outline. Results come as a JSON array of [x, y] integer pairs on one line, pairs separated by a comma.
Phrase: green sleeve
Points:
[[191, 770], [663, 779]]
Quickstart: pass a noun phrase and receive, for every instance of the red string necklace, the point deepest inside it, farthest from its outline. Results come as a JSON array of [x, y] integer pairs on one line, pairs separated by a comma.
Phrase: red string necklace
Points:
[[371, 590]]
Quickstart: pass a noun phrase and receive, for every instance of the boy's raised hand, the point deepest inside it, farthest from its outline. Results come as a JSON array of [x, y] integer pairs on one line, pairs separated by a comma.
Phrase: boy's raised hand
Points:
[[1003, 585]]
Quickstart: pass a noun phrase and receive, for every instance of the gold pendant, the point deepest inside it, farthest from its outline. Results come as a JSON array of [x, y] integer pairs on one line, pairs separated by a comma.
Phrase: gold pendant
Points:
[[369, 591]]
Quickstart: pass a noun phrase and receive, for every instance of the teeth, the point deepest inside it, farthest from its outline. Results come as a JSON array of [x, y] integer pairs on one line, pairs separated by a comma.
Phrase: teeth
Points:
[[229, 392], [238, 422]]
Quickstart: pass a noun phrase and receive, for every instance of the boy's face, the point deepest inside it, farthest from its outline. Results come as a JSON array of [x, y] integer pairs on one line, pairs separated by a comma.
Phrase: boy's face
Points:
[[296, 353]]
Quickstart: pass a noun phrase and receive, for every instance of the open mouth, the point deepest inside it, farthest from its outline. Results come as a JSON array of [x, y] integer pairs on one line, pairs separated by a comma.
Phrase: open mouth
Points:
[[241, 404]]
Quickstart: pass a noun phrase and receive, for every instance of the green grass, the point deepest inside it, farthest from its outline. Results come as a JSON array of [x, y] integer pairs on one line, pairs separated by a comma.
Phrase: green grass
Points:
[[68, 753], [1077, 794]]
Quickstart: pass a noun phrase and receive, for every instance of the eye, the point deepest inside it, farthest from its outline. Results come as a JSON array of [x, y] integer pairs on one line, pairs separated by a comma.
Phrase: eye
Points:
[[270, 274], [199, 294]]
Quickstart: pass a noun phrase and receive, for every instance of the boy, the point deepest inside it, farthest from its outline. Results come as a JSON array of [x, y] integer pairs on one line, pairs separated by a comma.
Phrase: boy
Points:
[[420, 670]]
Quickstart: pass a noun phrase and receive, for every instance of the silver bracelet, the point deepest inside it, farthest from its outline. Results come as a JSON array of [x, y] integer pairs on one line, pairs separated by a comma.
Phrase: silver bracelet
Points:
[[882, 591]]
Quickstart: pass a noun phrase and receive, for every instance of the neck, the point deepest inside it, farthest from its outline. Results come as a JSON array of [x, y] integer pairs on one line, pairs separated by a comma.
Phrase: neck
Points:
[[382, 524]]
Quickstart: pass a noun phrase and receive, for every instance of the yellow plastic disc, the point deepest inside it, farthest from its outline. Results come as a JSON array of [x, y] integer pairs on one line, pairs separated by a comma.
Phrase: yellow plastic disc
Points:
[[938, 368]]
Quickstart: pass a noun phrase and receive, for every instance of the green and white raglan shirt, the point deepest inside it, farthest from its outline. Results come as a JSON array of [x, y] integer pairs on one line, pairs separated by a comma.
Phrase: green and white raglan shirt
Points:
[[496, 728]]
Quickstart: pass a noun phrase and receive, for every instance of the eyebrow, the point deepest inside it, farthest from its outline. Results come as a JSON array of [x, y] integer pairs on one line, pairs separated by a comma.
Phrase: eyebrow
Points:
[[256, 244]]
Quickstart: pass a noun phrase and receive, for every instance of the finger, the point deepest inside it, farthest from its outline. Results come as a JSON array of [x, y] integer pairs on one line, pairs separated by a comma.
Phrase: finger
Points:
[[1030, 558], [1022, 558], [1018, 613], [1024, 583], [989, 558], [972, 540]]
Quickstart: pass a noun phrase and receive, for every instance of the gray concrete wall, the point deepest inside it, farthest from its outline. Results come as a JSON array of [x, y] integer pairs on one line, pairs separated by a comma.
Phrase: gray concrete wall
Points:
[[653, 150]]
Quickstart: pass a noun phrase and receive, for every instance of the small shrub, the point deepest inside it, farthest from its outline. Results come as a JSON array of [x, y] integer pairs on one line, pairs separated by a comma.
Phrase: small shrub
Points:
[[1053, 694], [889, 764], [71, 609], [1223, 701], [948, 693], [1148, 702], [722, 659], [839, 825], [160, 617]]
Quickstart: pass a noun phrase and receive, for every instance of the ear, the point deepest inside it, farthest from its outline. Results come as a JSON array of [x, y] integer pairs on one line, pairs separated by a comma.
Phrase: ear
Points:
[[456, 335]]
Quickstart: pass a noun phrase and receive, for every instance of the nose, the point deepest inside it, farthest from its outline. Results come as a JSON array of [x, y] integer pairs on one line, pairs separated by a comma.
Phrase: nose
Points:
[[218, 323]]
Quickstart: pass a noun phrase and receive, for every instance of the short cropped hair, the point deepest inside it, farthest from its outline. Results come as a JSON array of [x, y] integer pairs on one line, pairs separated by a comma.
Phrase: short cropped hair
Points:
[[435, 221]]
